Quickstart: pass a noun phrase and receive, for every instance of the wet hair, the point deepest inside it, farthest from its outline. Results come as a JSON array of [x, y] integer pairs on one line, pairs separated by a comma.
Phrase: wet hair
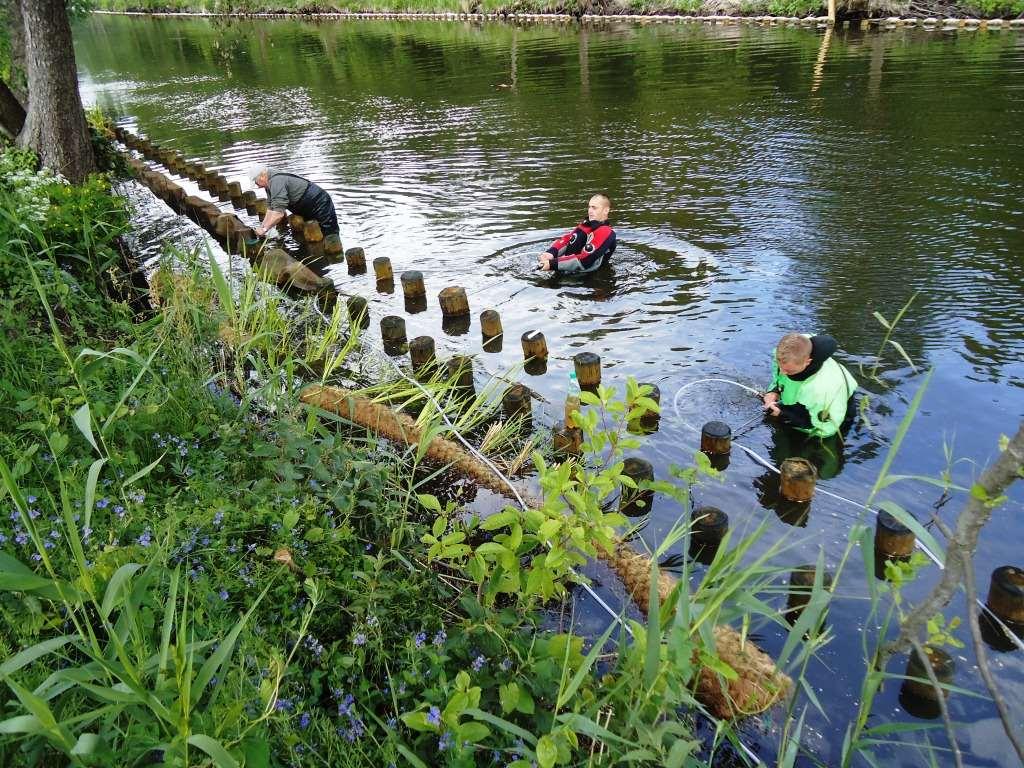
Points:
[[794, 347]]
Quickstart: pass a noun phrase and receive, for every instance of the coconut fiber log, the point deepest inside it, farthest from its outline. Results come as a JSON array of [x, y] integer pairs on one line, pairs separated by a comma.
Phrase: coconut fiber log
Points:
[[758, 685], [400, 428]]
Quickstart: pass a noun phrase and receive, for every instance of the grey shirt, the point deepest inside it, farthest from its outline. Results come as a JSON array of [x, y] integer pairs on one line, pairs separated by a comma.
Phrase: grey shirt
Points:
[[285, 190]]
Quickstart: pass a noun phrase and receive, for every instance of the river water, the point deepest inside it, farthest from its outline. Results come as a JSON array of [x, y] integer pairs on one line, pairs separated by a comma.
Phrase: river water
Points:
[[763, 180]]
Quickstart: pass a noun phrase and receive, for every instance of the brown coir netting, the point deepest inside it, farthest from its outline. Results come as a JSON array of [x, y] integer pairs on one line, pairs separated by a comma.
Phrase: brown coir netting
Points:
[[758, 684]]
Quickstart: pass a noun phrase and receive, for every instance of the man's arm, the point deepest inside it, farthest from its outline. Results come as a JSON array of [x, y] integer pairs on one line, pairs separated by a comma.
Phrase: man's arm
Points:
[[269, 222]]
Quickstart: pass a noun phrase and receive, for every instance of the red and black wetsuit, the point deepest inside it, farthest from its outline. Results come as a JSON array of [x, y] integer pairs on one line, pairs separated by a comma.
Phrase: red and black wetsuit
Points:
[[584, 249]]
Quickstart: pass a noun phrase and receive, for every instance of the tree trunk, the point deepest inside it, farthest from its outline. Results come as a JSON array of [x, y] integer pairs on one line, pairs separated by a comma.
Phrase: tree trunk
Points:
[[16, 34], [55, 126], [12, 114]]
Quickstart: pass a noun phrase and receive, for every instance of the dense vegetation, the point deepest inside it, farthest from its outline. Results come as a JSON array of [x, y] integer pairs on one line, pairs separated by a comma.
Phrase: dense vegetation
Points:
[[975, 8], [194, 570]]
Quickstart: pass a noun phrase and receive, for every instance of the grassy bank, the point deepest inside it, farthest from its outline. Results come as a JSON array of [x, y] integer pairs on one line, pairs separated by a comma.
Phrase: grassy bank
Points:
[[195, 569], [855, 9]]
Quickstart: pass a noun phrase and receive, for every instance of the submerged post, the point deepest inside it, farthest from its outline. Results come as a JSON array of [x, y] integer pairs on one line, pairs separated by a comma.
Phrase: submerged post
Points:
[[412, 284], [588, 370], [382, 268], [392, 331], [634, 502], [917, 694], [358, 312], [716, 438], [422, 355], [454, 302], [1006, 595], [797, 479], [893, 540], [356, 259]]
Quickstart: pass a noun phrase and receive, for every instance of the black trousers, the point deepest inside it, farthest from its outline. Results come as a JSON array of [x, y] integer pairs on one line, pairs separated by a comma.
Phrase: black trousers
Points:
[[316, 205]]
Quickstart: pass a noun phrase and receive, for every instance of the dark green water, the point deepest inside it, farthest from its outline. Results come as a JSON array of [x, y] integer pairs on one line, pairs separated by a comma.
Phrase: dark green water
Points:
[[764, 180]]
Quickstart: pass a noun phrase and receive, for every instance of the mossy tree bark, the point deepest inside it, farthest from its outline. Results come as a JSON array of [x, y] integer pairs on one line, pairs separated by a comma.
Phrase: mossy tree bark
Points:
[[55, 126], [16, 38]]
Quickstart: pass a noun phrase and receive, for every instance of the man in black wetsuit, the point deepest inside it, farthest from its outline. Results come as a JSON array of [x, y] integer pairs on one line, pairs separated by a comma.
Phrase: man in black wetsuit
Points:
[[587, 246], [288, 192]]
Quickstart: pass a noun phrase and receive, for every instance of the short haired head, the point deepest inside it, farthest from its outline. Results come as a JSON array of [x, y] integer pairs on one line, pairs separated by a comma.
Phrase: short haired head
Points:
[[793, 353], [256, 173], [599, 207]]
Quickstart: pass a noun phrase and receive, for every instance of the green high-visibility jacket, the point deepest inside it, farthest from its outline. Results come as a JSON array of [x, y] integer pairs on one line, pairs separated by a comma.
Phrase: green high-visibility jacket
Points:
[[824, 393]]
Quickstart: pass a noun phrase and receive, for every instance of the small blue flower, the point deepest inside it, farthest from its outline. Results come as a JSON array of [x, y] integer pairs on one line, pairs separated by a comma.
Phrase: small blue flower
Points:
[[445, 741], [223, 594], [283, 705], [304, 721], [434, 716], [218, 519], [359, 639], [478, 662], [36, 556], [33, 513], [420, 639], [30, 499], [440, 638], [103, 503], [506, 664], [146, 538]]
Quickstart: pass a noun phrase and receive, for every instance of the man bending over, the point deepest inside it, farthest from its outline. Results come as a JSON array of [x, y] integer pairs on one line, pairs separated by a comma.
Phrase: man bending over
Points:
[[810, 390]]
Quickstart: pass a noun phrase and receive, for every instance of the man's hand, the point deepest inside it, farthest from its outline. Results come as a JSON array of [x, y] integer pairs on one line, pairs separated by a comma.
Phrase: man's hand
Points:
[[770, 400], [544, 261]]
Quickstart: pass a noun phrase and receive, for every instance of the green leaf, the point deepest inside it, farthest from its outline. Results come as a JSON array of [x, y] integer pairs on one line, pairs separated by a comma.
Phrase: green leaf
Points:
[[314, 535], [429, 501], [901, 432], [145, 470], [83, 420], [652, 660], [509, 697], [919, 530], [440, 523], [474, 733], [212, 747], [505, 725], [256, 751], [27, 656], [499, 520], [547, 752], [417, 721], [90, 489], [882, 320], [28, 724], [903, 354], [570, 690], [117, 582], [220, 656], [290, 519], [715, 664]]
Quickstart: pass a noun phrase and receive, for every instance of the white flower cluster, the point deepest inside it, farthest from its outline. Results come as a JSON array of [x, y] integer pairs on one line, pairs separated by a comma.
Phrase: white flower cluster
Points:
[[27, 188]]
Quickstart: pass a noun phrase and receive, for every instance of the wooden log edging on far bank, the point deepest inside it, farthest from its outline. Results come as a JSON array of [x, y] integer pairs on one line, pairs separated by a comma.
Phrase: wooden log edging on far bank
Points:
[[890, 22], [759, 683]]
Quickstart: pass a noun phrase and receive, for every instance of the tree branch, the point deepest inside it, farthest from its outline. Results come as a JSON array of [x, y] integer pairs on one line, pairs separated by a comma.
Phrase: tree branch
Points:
[[990, 486], [982, 654]]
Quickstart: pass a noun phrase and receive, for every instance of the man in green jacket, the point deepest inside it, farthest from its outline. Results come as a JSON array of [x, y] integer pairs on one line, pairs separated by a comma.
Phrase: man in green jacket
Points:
[[810, 390]]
